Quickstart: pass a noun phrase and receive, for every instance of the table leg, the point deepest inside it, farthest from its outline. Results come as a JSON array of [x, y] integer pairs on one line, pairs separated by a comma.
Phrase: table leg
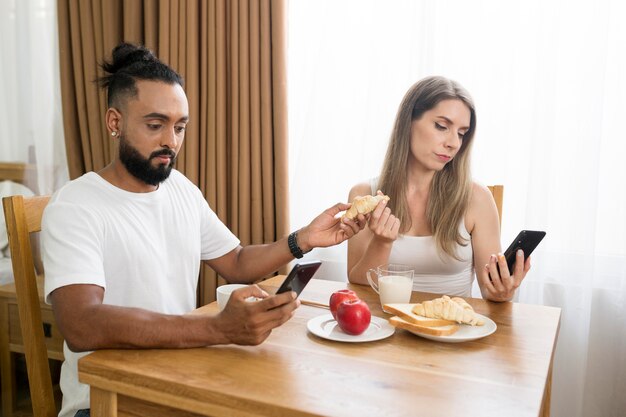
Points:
[[547, 393], [102, 403]]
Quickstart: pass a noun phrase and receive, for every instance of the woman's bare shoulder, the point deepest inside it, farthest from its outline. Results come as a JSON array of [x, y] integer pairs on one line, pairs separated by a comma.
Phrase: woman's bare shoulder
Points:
[[481, 206], [363, 188], [480, 194]]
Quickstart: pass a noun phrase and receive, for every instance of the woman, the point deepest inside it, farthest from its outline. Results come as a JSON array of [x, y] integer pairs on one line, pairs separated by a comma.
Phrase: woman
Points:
[[438, 220]]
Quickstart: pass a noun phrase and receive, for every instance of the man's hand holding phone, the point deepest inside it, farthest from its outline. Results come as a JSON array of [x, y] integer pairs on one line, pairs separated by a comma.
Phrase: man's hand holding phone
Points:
[[246, 322]]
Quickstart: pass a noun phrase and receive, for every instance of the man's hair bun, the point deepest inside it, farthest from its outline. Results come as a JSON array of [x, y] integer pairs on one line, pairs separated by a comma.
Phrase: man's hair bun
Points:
[[125, 55], [130, 63]]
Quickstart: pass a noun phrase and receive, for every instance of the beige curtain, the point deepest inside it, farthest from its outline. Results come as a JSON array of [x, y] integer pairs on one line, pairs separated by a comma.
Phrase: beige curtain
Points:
[[232, 57]]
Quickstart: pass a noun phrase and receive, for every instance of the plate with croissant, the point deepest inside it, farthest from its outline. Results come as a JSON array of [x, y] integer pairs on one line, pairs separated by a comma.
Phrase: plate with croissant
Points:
[[443, 319]]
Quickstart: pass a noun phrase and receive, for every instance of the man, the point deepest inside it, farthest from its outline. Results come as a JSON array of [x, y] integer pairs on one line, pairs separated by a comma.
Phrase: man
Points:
[[122, 247]]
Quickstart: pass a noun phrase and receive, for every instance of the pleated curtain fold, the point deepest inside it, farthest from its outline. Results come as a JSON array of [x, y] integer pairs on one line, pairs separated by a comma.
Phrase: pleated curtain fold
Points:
[[232, 57]]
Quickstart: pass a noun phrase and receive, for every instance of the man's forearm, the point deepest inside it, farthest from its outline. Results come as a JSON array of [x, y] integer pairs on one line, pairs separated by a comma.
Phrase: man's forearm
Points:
[[256, 261], [245, 264], [106, 326]]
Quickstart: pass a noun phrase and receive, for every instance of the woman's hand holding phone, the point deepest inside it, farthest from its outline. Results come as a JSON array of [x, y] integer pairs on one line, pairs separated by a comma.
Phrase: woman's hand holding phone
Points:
[[516, 260], [501, 284]]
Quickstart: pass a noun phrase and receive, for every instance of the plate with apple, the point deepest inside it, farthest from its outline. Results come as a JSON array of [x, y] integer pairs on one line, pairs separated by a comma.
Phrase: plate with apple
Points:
[[350, 321]]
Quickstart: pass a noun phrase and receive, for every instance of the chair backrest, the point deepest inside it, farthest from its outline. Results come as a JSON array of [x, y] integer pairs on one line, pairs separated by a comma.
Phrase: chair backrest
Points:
[[498, 195], [23, 217], [19, 172]]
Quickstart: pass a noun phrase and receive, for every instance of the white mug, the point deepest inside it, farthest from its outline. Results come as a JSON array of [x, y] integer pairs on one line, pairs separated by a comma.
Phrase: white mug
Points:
[[393, 283], [223, 293]]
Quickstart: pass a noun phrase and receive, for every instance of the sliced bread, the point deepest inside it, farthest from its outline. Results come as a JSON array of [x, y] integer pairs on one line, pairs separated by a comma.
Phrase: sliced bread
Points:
[[405, 311], [415, 328]]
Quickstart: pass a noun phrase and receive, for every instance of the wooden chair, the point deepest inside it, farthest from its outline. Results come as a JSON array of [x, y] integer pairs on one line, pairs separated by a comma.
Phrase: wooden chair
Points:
[[498, 195], [20, 172], [23, 217]]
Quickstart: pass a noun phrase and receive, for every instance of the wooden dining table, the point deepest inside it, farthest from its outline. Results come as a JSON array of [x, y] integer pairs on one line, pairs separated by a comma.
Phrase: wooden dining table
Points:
[[295, 373]]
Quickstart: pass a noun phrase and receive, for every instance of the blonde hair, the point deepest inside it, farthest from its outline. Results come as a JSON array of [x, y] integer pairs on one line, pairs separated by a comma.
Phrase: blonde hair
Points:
[[451, 187]]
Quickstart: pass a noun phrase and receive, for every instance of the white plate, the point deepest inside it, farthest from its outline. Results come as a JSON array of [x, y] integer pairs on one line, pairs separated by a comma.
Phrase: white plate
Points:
[[465, 332], [326, 327]]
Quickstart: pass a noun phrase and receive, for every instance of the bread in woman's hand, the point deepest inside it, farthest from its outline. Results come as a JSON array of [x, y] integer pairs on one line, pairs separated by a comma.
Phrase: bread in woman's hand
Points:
[[364, 204], [455, 309]]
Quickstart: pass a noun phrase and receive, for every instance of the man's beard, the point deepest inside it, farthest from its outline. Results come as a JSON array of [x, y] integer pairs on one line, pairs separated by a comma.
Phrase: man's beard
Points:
[[141, 168]]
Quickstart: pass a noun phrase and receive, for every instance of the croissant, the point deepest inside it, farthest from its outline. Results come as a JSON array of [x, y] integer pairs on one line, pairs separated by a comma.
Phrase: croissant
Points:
[[463, 303], [447, 308], [364, 204]]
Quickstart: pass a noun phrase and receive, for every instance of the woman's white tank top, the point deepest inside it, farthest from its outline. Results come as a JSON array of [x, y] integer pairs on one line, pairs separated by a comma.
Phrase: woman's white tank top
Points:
[[434, 271]]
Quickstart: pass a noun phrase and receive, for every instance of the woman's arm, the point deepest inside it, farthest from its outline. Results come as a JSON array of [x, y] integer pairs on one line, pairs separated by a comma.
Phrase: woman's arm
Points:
[[485, 230], [372, 246]]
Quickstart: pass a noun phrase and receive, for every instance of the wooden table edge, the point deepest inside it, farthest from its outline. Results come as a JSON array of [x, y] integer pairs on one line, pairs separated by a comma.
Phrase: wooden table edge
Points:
[[105, 387]]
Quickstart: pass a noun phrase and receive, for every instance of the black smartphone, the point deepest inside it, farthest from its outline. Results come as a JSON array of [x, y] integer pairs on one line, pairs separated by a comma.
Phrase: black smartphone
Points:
[[526, 240], [299, 276]]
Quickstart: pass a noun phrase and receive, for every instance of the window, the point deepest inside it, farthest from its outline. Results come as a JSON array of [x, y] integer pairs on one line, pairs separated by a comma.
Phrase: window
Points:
[[549, 82]]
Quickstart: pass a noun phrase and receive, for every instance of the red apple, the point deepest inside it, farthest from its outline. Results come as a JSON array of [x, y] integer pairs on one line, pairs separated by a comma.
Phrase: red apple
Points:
[[353, 316], [338, 297]]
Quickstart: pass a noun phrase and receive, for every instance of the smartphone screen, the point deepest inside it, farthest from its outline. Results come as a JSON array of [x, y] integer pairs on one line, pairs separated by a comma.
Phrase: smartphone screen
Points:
[[526, 240], [299, 276]]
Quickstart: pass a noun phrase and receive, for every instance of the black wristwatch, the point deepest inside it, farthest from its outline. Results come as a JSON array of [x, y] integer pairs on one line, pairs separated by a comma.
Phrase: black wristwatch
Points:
[[292, 240]]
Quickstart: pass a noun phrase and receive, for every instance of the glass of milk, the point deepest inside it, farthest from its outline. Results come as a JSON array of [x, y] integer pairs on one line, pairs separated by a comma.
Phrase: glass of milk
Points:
[[392, 282]]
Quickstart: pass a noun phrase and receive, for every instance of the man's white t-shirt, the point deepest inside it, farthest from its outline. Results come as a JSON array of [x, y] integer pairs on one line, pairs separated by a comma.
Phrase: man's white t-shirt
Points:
[[144, 249]]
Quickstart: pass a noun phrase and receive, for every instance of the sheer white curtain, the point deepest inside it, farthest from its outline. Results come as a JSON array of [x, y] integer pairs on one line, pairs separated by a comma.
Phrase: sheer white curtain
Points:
[[30, 95], [549, 81]]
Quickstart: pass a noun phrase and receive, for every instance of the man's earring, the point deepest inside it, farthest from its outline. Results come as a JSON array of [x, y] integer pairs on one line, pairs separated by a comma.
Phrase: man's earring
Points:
[[114, 133]]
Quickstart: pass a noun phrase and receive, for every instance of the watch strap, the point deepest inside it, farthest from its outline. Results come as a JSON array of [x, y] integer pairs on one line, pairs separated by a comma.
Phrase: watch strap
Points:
[[292, 240]]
